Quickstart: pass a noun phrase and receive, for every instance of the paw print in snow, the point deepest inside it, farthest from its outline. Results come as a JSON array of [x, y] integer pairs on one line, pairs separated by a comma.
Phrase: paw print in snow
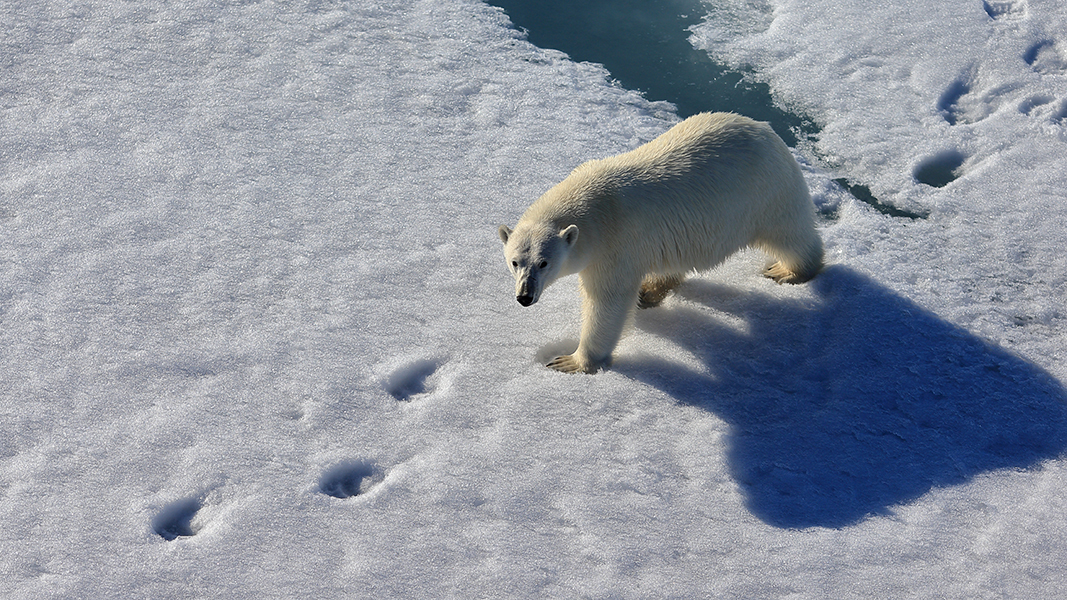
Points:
[[1005, 10], [410, 379], [349, 479], [175, 520]]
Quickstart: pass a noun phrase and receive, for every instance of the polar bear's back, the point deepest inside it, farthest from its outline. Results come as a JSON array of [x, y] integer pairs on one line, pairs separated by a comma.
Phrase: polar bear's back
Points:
[[709, 186], [707, 161]]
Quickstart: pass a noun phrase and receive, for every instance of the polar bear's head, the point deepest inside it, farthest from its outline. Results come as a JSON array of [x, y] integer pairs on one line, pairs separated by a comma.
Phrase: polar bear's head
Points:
[[536, 255]]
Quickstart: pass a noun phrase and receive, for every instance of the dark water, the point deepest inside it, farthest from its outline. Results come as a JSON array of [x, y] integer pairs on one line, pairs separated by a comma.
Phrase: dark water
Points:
[[645, 45]]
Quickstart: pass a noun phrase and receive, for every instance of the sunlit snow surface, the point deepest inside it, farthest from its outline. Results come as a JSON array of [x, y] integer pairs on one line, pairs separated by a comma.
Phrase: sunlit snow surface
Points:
[[257, 338]]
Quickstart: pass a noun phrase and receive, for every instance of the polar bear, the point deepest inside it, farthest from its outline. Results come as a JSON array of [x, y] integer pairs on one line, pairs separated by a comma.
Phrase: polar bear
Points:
[[633, 225]]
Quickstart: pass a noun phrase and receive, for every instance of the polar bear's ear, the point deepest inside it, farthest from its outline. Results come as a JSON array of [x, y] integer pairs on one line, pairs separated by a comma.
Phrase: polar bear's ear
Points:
[[570, 234], [504, 233]]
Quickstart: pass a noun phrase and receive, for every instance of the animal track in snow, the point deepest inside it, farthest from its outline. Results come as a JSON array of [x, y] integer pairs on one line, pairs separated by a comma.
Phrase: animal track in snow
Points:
[[410, 379], [961, 102], [1046, 56], [949, 102], [940, 169], [1005, 10], [1043, 106], [348, 479], [175, 520], [1028, 105], [1060, 117]]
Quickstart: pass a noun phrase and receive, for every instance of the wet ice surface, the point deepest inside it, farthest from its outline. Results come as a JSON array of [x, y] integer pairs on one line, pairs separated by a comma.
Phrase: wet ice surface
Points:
[[258, 336]]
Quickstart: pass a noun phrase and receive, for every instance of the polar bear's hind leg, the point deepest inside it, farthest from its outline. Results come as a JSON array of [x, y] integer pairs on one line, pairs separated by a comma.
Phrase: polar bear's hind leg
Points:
[[796, 263], [655, 288]]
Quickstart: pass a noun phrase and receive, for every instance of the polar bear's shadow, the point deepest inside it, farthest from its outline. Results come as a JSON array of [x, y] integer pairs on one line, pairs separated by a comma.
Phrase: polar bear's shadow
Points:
[[843, 407]]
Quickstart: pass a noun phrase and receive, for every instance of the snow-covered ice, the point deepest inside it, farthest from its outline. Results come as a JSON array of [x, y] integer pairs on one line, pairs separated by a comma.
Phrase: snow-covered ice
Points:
[[257, 337]]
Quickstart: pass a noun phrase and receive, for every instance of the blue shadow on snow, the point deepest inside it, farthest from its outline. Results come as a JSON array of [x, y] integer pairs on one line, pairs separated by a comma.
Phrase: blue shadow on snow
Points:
[[857, 401]]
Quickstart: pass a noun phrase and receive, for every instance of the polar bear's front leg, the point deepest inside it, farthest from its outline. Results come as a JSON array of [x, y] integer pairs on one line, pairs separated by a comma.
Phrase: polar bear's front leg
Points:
[[605, 309]]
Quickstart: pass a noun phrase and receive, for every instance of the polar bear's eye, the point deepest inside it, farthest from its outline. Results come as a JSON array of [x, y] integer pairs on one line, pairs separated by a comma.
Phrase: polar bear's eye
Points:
[[543, 264], [515, 264]]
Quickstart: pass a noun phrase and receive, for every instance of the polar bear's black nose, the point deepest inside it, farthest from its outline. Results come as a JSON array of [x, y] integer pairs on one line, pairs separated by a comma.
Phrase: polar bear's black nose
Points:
[[525, 300]]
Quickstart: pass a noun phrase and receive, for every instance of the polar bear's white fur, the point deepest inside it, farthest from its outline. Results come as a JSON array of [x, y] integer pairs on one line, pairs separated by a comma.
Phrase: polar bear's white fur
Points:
[[633, 225]]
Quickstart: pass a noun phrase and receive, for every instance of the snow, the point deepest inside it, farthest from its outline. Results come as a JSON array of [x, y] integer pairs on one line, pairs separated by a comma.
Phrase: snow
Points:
[[257, 337]]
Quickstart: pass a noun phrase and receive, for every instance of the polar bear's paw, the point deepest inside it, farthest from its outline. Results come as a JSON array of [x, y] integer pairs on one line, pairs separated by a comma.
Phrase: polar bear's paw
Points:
[[569, 364], [781, 274], [565, 364]]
